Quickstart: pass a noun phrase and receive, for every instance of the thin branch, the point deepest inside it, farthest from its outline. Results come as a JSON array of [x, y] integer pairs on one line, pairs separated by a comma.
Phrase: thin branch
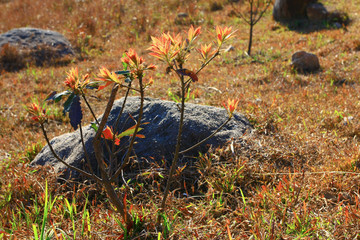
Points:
[[262, 12], [131, 145], [98, 134], [65, 163], [85, 152], [208, 61], [207, 138], [130, 88], [87, 103], [239, 14], [189, 80], [122, 108]]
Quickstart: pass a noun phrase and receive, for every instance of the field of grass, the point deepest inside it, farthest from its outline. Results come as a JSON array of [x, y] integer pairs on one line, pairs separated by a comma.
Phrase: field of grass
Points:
[[295, 177]]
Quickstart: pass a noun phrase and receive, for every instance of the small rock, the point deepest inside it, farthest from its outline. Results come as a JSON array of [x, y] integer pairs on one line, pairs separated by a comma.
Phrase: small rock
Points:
[[305, 62], [229, 49], [316, 12], [183, 15], [214, 89], [347, 120]]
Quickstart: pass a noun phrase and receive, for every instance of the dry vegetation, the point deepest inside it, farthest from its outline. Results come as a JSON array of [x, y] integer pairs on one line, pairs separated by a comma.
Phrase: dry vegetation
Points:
[[295, 177]]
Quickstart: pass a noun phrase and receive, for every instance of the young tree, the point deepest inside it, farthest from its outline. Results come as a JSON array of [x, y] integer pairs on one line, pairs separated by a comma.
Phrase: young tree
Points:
[[169, 48], [254, 11]]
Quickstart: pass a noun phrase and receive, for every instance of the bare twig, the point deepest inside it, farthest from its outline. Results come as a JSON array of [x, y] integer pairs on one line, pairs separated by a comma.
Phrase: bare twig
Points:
[[92, 176], [87, 158], [207, 138], [88, 104]]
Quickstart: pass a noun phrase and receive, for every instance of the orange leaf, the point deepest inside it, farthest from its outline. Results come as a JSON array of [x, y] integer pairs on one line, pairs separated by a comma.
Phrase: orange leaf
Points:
[[186, 72]]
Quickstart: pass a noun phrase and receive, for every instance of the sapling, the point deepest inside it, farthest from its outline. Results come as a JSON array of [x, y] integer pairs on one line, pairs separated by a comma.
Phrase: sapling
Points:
[[168, 48], [255, 10]]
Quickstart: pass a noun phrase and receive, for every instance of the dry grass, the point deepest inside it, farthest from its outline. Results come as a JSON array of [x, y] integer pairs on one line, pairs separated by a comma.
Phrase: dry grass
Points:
[[296, 176]]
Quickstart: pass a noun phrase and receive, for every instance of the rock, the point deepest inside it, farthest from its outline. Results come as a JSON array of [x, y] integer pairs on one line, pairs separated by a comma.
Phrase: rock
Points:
[[160, 133], [216, 6], [182, 15], [229, 49], [285, 10], [182, 18], [38, 41], [305, 62], [316, 12]]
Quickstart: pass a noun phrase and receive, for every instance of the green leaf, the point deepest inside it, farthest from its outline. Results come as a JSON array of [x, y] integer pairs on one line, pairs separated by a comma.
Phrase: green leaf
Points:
[[123, 63], [128, 132], [75, 113], [68, 103], [58, 96], [92, 85], [94, 126], [122, 72], [36, 236]]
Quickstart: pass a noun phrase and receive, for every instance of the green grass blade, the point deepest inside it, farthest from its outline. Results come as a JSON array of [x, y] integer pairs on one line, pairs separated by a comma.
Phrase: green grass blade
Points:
[[36, 236], [45, 212]]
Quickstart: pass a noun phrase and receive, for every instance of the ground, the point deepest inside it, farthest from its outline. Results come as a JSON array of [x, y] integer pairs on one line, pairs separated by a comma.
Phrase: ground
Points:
[[295, 177]]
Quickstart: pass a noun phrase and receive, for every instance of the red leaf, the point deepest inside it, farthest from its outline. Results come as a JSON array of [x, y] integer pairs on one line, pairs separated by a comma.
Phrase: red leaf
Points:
[[186, 72]]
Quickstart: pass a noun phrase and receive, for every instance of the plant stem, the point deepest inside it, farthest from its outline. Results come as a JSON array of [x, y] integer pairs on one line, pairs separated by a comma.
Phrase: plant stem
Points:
[[251, 28], [178, 143], [184, 86], [208, 61], [122, 108], [114, 198], [131, 145], [85, 152], [87, 103], [189, 80]]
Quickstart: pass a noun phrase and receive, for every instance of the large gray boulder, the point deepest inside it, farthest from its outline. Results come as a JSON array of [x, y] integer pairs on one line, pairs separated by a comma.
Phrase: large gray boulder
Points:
[[41, 44], [285, 10], [32, 38], [160, 133]]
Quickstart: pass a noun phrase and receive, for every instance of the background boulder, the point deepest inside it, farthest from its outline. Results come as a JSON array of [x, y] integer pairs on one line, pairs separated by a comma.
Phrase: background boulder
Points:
[[285, 10], [42, 46], [160, 133], [316, 12], [305, 62]]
